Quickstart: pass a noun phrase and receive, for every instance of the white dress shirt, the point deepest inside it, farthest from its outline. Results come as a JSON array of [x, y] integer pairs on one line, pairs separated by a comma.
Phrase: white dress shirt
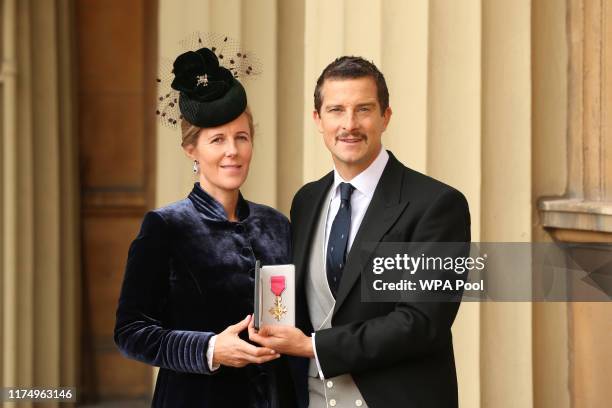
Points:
[[210, 351], [364, 183]]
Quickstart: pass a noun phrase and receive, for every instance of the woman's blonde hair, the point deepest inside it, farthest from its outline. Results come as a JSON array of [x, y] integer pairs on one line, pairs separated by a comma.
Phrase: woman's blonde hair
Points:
[[190, 133]]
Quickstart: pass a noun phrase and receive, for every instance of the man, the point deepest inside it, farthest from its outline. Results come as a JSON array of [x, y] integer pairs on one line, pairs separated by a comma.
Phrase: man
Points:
[[366, 354]]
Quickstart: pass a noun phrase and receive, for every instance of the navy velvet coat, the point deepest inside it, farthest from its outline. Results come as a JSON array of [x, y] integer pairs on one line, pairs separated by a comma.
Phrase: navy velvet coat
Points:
[[189, 275]]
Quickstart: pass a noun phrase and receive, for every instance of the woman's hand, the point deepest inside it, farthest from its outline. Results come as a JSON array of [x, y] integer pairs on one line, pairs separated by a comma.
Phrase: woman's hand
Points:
[[231, 350]]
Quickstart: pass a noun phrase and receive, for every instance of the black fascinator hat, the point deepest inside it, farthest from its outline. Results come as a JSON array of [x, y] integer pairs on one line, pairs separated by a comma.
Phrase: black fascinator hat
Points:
[[204, 86]]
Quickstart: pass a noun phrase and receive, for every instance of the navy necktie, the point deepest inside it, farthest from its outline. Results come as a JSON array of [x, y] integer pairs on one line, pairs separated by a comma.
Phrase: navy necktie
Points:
[[338, 238]]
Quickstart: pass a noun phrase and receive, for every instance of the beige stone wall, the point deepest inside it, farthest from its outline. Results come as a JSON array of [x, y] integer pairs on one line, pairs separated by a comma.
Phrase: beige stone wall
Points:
[[39, 272], [549, 147], [452, 147], [506, 331]]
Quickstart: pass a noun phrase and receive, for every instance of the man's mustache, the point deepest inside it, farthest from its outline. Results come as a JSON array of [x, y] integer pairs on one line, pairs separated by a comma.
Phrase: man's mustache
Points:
[[352, 135]]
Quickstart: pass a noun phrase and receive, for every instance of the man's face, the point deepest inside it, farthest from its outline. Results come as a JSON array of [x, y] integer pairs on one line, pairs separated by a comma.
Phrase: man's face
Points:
[[351, 123]]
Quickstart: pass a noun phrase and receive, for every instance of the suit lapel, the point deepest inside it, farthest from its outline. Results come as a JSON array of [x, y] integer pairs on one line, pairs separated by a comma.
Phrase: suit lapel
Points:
[[312, 205], [384, 209]]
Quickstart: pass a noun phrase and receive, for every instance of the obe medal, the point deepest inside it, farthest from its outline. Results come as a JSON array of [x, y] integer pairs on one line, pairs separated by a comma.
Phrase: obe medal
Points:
[[277, 285]]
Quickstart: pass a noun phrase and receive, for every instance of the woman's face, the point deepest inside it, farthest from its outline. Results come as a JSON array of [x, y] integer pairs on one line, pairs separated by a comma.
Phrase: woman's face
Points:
[[224, 154]]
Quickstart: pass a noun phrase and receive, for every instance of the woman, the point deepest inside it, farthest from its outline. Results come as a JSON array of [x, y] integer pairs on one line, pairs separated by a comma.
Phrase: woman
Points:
[[188, 286]]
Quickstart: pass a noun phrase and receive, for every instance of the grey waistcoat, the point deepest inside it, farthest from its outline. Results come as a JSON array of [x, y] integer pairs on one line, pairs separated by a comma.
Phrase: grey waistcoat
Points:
[[340, 391]]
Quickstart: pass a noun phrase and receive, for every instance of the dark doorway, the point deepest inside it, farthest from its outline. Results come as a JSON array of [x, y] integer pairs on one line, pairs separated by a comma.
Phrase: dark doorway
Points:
[[116, 50]]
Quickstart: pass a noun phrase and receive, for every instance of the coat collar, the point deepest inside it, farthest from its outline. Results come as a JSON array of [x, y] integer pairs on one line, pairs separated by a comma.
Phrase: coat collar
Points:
[[211, 209]]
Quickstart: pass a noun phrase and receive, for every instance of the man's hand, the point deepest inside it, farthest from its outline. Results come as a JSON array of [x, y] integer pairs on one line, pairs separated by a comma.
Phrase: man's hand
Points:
[[231, 350], [283, 339]]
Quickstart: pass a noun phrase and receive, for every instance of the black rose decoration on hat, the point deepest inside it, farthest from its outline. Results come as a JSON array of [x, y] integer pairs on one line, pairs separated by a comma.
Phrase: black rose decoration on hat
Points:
[[198, 75], [202, 85]]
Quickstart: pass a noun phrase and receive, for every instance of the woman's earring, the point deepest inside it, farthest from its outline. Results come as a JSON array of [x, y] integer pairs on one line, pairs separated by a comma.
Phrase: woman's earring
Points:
[[195, 166]]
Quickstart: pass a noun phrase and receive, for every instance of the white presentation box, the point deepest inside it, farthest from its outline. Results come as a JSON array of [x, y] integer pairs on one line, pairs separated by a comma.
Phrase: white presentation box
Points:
[[271, 309]]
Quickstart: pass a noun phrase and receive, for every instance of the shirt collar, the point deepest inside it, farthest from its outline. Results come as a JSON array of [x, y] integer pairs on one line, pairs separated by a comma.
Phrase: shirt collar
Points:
[[366, 181]]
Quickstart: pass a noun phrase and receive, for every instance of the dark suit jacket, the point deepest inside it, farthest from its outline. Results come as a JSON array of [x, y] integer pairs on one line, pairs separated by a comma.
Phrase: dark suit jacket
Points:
[[399, 354]]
